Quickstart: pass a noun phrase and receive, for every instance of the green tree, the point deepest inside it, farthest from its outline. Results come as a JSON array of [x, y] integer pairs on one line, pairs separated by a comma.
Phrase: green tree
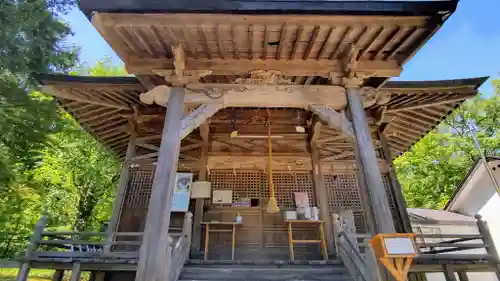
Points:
[[31, 41], [430, 171], [72, 177]]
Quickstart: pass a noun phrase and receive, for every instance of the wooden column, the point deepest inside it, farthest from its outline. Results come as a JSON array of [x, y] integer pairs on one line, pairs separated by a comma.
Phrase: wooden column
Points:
[[364, 142], [322, 197], [58, 275], [462, 276], [24, 270], [399, 200], [364, 193], [76, 272], [449, 273], [122, 186], [153, 253], [200, 202]]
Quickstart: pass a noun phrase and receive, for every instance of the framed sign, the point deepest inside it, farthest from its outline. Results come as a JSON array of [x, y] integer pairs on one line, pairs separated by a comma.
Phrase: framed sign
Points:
[[180, 202]]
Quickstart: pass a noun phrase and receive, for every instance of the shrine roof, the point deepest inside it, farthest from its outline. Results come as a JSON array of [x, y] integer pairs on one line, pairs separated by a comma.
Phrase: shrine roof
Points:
[[366, 7], [103, 106], [307, 41]]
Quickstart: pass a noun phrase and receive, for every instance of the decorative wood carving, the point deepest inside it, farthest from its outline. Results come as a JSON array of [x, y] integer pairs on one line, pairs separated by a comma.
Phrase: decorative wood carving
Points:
[[334, 119], [265, 77], [158, 95], [373, 96]]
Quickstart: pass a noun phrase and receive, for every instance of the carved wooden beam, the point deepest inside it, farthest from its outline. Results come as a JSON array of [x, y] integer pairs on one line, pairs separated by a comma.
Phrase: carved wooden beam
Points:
[[334, 119], [250, 95], [194, 119]]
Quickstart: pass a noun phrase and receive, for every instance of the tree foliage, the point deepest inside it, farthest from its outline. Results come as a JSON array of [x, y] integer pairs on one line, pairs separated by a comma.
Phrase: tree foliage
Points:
[[47, 162], [432, 169]]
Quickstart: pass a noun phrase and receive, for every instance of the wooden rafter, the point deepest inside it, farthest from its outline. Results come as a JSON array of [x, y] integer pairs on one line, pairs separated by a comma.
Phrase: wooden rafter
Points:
[[432, 103], [53, 91]]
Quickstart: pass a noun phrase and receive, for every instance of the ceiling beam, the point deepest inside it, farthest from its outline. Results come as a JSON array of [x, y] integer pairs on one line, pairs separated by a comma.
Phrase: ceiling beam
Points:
[[298, 67]]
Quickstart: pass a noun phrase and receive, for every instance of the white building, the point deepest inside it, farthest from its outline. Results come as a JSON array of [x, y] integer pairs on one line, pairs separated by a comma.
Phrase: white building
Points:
[[475, 195]]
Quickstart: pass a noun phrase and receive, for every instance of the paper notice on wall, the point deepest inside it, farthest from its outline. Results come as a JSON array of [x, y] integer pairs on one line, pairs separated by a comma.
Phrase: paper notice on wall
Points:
[[222, 196], [180, 201]]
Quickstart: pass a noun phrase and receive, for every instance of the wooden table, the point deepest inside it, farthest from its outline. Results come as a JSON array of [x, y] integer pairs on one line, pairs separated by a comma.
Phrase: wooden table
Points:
[[321, 240], [212, 227]]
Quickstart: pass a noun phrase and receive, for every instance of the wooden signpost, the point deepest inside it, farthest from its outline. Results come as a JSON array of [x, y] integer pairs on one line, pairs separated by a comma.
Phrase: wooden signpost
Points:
[[396, 252]]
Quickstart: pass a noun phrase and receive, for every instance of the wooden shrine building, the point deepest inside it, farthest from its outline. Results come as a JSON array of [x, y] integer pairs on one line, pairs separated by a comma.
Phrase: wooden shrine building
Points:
[[265, 99]]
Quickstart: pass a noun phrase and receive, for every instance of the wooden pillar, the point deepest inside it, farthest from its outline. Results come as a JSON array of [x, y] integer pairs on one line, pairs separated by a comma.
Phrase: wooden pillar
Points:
[[58, 275], [462, 276], [155, 244], [364, 193], [484, 230], [122, 187], [75, 272], [449, 273], [397, 192], [378, 196], [322, 197], [200, 202], [24, 270]]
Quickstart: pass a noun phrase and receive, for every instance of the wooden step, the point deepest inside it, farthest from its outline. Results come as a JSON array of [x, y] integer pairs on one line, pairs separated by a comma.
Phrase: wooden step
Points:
[[274, 270]]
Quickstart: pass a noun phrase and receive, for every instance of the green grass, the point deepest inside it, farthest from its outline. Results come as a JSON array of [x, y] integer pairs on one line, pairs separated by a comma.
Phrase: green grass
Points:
[[9, 274]]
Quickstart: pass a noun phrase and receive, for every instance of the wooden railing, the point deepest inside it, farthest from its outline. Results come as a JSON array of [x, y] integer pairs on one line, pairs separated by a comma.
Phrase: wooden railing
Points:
[[352, 249], [76, 247], [179, 251], [349, 254], [435, 250]]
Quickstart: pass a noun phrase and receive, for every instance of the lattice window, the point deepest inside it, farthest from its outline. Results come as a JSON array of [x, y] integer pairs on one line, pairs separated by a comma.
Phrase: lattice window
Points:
[[254, 184], [244, 184], [343, 192], [139, 188], [286, 184], [390, 197]]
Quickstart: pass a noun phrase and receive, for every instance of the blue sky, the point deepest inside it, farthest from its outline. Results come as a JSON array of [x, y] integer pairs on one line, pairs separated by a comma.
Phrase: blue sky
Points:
[[468, 45]]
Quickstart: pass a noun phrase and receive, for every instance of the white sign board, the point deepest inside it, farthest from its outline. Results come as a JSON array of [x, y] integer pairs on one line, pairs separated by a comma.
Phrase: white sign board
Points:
[[180, 202], [222, 196], [399, 246]]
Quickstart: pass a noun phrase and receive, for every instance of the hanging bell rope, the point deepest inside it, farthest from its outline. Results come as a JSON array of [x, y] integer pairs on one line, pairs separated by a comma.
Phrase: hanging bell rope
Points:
[[272, 205]]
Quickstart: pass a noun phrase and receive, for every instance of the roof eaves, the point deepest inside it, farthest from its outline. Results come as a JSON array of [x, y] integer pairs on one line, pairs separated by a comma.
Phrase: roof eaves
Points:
[[442, 8], [46, 79]]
